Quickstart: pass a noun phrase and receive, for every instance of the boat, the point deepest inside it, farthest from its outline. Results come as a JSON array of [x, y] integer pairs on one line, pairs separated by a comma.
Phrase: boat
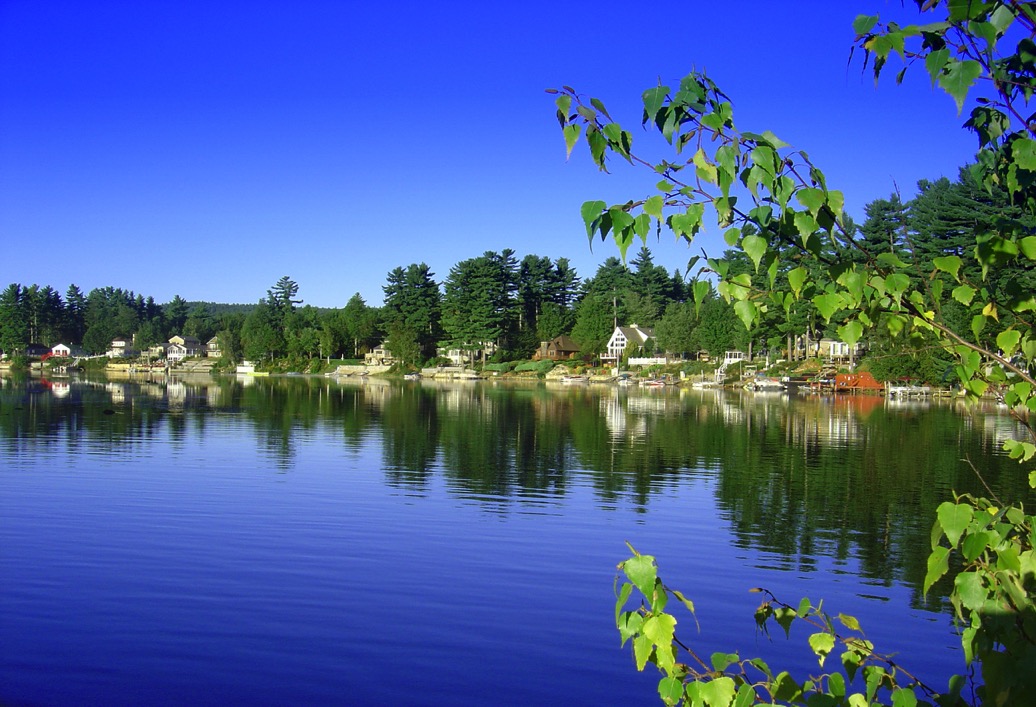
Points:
[[412, 377], [764, 383], [575, 379], [653, 383]]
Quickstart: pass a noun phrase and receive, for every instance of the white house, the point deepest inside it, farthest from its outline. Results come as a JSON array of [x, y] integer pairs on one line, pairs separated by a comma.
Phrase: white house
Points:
[[461, 357], [834, 350], [621, 338], [121, 347], [181, 347], [379, 355]]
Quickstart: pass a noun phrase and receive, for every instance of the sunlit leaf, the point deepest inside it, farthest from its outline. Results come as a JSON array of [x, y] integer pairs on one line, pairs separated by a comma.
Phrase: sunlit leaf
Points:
[[822, 644], [958, 77]]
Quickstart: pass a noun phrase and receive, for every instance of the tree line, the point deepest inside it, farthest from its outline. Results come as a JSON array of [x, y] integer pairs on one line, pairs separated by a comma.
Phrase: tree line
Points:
[[497, 306]]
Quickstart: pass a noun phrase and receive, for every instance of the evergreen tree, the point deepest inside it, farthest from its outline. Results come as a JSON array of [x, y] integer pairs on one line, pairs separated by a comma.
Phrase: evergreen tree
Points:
[[176, 315], [594, 323], [74, 321], [675, 332], [14, 320], [281, 298], [412, 312], [358, 325]]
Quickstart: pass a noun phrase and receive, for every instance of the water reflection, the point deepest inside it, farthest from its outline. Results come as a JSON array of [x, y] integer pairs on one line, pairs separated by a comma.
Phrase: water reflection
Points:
[[847, 478]]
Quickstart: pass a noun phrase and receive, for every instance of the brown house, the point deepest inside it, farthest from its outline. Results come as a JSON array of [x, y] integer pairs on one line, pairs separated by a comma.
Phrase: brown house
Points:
[[558, 348]]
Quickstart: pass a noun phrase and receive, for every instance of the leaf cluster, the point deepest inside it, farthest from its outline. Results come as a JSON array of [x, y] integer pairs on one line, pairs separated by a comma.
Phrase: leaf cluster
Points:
[[865, 677]]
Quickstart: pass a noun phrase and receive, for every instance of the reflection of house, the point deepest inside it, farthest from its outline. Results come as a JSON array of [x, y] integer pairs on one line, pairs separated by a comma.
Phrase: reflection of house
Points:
[[212, 349], [181, 347], [622, 337], [121, 347], [380, 355], [558, 348]]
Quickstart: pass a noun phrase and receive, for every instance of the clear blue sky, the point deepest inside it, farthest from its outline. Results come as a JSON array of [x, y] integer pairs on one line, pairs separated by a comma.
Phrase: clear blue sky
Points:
[[207, 148]]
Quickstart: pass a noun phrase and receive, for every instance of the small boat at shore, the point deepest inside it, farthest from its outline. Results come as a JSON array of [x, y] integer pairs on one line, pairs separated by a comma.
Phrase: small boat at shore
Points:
[[575, 379], [764, 383]]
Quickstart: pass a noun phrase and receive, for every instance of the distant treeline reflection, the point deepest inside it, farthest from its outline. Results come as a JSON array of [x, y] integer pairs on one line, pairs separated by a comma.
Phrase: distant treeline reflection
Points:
[[847, 477]]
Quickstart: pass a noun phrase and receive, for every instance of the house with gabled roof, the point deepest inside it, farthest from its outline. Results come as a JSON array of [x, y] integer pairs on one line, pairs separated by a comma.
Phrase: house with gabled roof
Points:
[[181, 347], [557, 349], [622, 337]]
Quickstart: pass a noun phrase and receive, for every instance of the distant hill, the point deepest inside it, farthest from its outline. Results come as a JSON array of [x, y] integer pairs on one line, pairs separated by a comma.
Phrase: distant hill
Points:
[[221, 307], [217, 308]]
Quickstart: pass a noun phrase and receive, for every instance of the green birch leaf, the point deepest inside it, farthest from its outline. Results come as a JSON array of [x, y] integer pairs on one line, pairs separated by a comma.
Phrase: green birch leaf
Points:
[[596, 103], [746, 311], [949, 264], [654, 98], [731, 236], [687, 224], [822, 645], [660, 629], [797, 278], [641, 570], [755, 248], [591, 211], [722, 661], [958, 77], [935, 61], [677, 593], [828, 304], [938, 564], [1008, 341], [978, 323], [863, 24], [975, 544], [964, 294], [670, 690], [775, 141], [642, 647], [642, 226], [805, 224], [850, 622], [598, 146], [904, 697], [571, 131], [890, 259], [812, 199], [1024, 152], [705, 169], [1027, 246], [970, 590], [653, 206], [850, 332], [620, 601], [564, 104], [954, 519], [745, 696], [629, 623], [719, 691]]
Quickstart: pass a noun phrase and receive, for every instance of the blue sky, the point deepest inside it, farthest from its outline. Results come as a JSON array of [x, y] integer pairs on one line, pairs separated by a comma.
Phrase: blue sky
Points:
[[207, 148]]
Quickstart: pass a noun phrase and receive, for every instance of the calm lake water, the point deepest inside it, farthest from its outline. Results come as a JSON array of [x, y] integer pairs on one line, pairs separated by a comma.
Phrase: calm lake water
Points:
[[304, 541]]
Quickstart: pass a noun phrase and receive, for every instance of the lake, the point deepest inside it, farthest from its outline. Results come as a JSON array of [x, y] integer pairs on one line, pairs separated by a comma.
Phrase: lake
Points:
[[306, 541]]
